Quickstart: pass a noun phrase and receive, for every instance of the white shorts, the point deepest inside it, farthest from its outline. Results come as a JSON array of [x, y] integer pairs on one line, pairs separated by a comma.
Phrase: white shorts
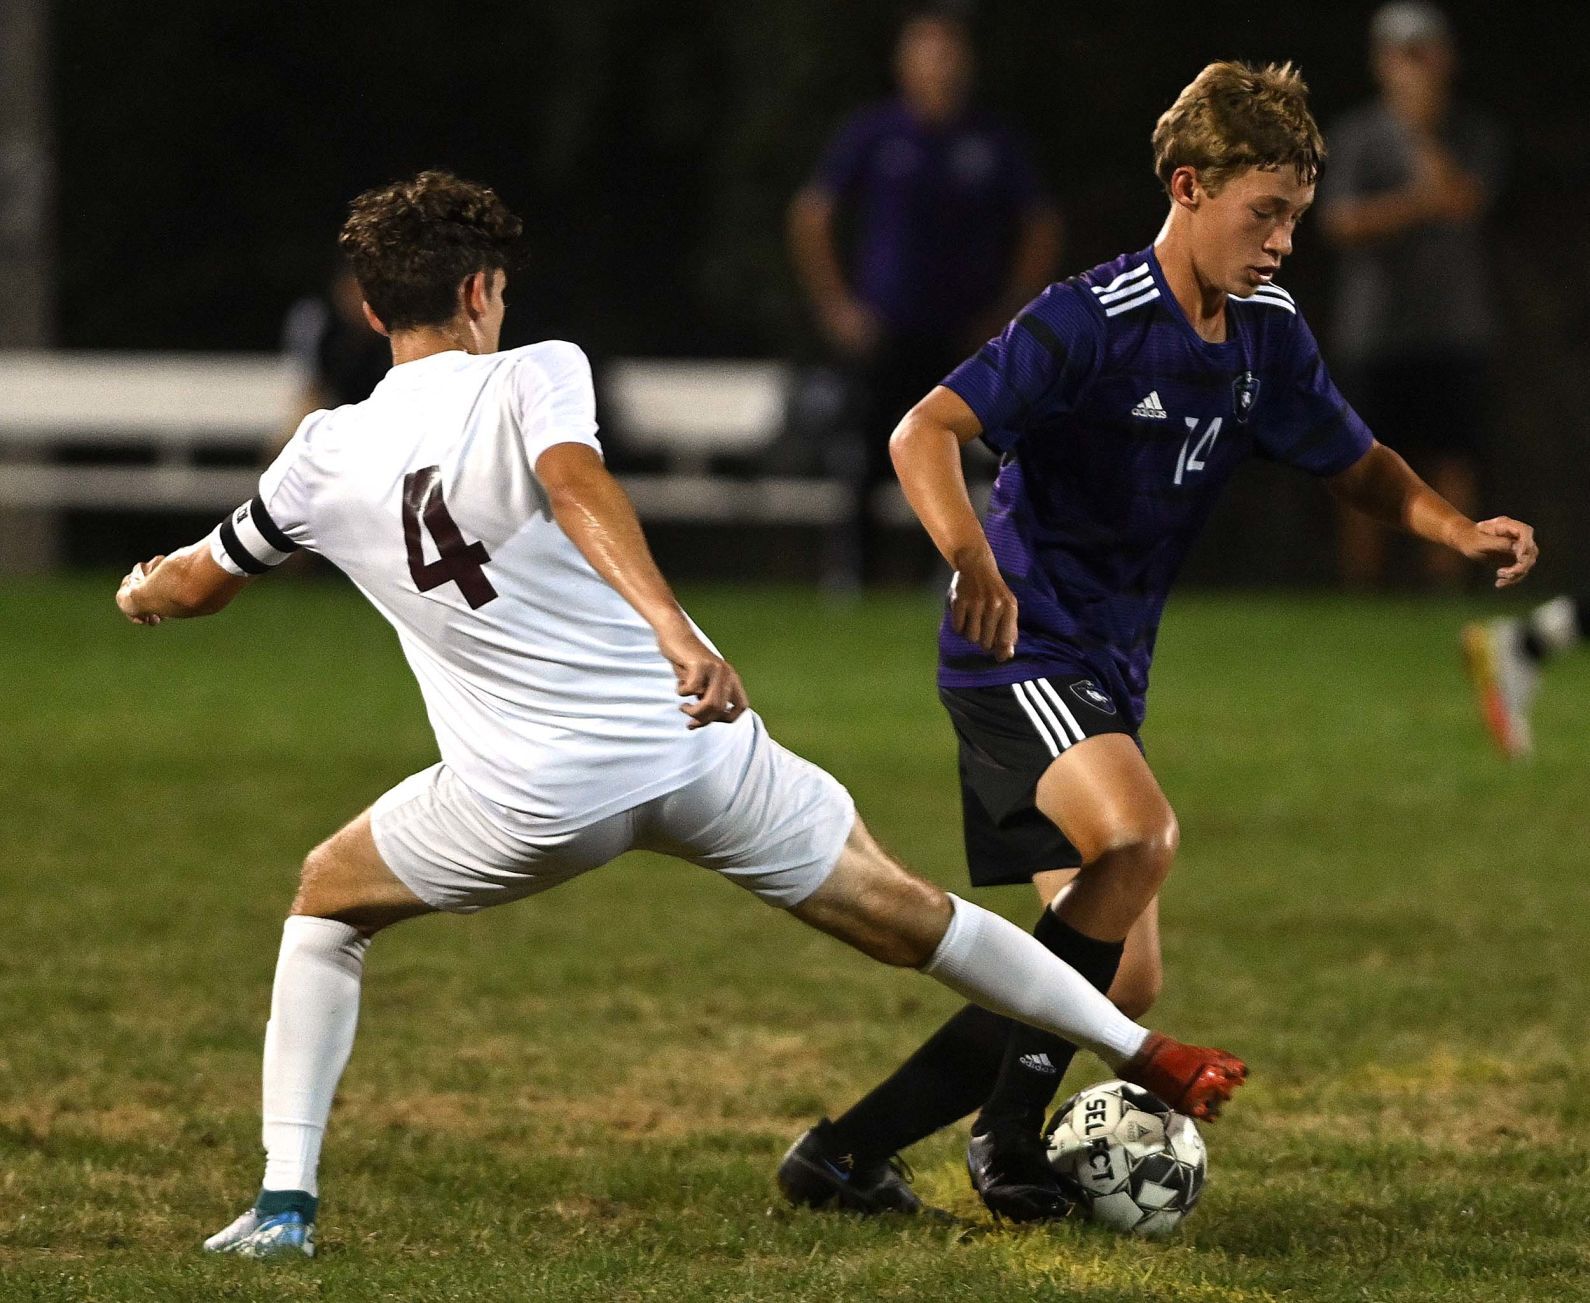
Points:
[[763, 817]]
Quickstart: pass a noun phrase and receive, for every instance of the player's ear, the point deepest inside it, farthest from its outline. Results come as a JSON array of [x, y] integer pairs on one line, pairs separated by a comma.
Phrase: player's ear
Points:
[[1185, 188], [375, 321], [475, 292]]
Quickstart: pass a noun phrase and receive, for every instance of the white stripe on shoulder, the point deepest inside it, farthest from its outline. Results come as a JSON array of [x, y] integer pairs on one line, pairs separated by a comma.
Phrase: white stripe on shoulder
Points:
[[1273, 288], [1129, 304], [1126, 291], [1271, 300], [1132, 273], [1061, 706], [1038, 724]]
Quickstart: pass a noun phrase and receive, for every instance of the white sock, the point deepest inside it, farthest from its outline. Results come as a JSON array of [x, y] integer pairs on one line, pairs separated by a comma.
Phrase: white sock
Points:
[[314, 1012], [1556, 624], [994, 963]]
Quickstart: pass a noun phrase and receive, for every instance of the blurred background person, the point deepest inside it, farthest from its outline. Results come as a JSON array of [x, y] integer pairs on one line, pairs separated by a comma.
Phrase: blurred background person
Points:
[[334, 349], [922, 231], [1410, 180]]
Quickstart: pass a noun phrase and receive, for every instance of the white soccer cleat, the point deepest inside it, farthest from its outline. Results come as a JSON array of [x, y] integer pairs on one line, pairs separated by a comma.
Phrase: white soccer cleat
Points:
[[1505, 680], [279, 1235]]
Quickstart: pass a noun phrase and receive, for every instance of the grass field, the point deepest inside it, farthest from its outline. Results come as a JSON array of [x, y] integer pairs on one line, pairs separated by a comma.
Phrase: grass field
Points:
[[583, 1097]]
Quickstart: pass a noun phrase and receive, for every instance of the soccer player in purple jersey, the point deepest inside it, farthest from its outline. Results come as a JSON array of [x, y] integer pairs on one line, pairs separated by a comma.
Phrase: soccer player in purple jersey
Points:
[[1121, 401]]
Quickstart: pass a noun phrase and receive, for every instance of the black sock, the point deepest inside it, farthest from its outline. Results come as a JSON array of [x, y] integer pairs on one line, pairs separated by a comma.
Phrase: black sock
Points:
[[1035, 1061], [944, 1080]]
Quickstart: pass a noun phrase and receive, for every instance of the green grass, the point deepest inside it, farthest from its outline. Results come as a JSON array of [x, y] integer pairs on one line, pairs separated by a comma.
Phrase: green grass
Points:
[[583, 1097]]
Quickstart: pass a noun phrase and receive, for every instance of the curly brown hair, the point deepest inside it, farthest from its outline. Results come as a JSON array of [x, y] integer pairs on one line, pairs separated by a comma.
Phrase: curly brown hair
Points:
[[1234, 116], [411, 245]]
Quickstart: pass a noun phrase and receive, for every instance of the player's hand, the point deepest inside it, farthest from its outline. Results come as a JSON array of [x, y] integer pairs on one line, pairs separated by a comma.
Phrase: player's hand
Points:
[[701, 673], [1507, 543], [127, 595], [982, 607]]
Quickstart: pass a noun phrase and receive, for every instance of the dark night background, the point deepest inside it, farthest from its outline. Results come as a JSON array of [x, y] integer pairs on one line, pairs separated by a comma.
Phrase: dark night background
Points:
[[206, 153]]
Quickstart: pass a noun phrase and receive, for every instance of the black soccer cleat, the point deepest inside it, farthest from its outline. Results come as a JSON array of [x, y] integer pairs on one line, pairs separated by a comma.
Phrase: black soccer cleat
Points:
[[816, 1174], [1010, 1171]]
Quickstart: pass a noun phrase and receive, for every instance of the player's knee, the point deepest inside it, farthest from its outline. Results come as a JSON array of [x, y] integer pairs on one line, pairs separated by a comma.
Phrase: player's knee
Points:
[[329, 887], [917, 915], [1146, 849], [900, 918], [875, 905]]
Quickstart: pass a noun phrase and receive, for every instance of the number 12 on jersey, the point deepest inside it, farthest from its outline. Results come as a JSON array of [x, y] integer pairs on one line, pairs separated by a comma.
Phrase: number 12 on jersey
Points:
[[457, 562]]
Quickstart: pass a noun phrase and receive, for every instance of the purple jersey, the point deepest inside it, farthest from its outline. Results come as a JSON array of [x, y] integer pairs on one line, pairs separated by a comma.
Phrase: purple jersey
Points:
[[937, 210], [1118, 427]]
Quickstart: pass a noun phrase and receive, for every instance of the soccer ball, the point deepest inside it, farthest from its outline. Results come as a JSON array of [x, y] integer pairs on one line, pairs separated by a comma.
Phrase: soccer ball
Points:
[[1129, 1161]]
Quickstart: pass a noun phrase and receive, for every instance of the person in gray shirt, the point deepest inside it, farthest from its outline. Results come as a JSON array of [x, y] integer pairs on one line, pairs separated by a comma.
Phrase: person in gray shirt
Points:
[[1411, 180]]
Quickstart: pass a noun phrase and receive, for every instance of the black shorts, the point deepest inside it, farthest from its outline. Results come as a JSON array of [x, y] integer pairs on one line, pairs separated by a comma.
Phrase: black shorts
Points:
[[1009, 735]]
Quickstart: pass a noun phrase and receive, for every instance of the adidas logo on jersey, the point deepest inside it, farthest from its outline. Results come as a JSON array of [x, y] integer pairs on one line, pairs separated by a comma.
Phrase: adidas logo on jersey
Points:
[[1151, 409], [1037, 1063]]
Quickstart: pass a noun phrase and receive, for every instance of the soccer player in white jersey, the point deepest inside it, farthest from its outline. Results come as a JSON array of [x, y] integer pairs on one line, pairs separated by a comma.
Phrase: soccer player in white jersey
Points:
[[466, 498]]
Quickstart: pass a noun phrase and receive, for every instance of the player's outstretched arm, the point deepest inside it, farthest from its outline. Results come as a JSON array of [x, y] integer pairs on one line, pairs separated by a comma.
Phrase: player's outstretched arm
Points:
[[1382, 485], [926, 448], [177, 587], [596, 514]]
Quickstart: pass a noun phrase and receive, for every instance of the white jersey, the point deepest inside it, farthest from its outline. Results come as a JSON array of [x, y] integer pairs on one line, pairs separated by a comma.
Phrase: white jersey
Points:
[[545, 688]]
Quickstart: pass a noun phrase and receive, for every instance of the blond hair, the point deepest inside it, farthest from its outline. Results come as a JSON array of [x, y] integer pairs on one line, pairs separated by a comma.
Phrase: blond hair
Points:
[[1234, 116]]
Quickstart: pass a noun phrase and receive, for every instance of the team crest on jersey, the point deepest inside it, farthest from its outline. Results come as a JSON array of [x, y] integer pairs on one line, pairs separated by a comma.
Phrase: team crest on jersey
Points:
[[1087, 690], [1244, 393]]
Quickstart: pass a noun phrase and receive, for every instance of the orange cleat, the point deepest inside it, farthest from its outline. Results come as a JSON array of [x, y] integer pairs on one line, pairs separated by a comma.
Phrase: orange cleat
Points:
[[1505, 680], [1190, 1078]]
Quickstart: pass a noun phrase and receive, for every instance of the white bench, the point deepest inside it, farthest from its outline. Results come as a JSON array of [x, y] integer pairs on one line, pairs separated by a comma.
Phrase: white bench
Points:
[[168, 405], [691, 411], [173, 406]]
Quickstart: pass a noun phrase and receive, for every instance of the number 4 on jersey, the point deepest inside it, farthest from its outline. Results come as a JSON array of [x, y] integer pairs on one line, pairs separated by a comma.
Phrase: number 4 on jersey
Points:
[[457, 562]]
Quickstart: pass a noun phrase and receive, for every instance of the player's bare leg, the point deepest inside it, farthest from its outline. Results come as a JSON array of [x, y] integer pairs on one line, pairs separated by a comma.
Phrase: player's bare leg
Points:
[[1104, 797], [346, 880], [346, 894], [1141, 976], [872, 902]]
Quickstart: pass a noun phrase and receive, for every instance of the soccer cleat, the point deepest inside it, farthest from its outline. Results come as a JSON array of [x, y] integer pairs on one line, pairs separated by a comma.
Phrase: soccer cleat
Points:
[[1504, 679], [266, 1235], [1191, 1079], [1010, 1171], [815, 1173]]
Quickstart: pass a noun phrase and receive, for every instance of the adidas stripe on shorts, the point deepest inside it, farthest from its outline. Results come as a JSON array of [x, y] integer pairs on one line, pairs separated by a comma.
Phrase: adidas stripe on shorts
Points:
[[1008, 736]]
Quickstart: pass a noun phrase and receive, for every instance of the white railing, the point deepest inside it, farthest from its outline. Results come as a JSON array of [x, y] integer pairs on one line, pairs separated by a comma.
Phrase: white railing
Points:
[[173, 406]]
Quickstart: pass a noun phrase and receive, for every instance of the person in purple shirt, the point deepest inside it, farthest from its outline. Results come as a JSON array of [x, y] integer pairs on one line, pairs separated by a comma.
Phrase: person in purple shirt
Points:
[[950, 233], [1120, 401]]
